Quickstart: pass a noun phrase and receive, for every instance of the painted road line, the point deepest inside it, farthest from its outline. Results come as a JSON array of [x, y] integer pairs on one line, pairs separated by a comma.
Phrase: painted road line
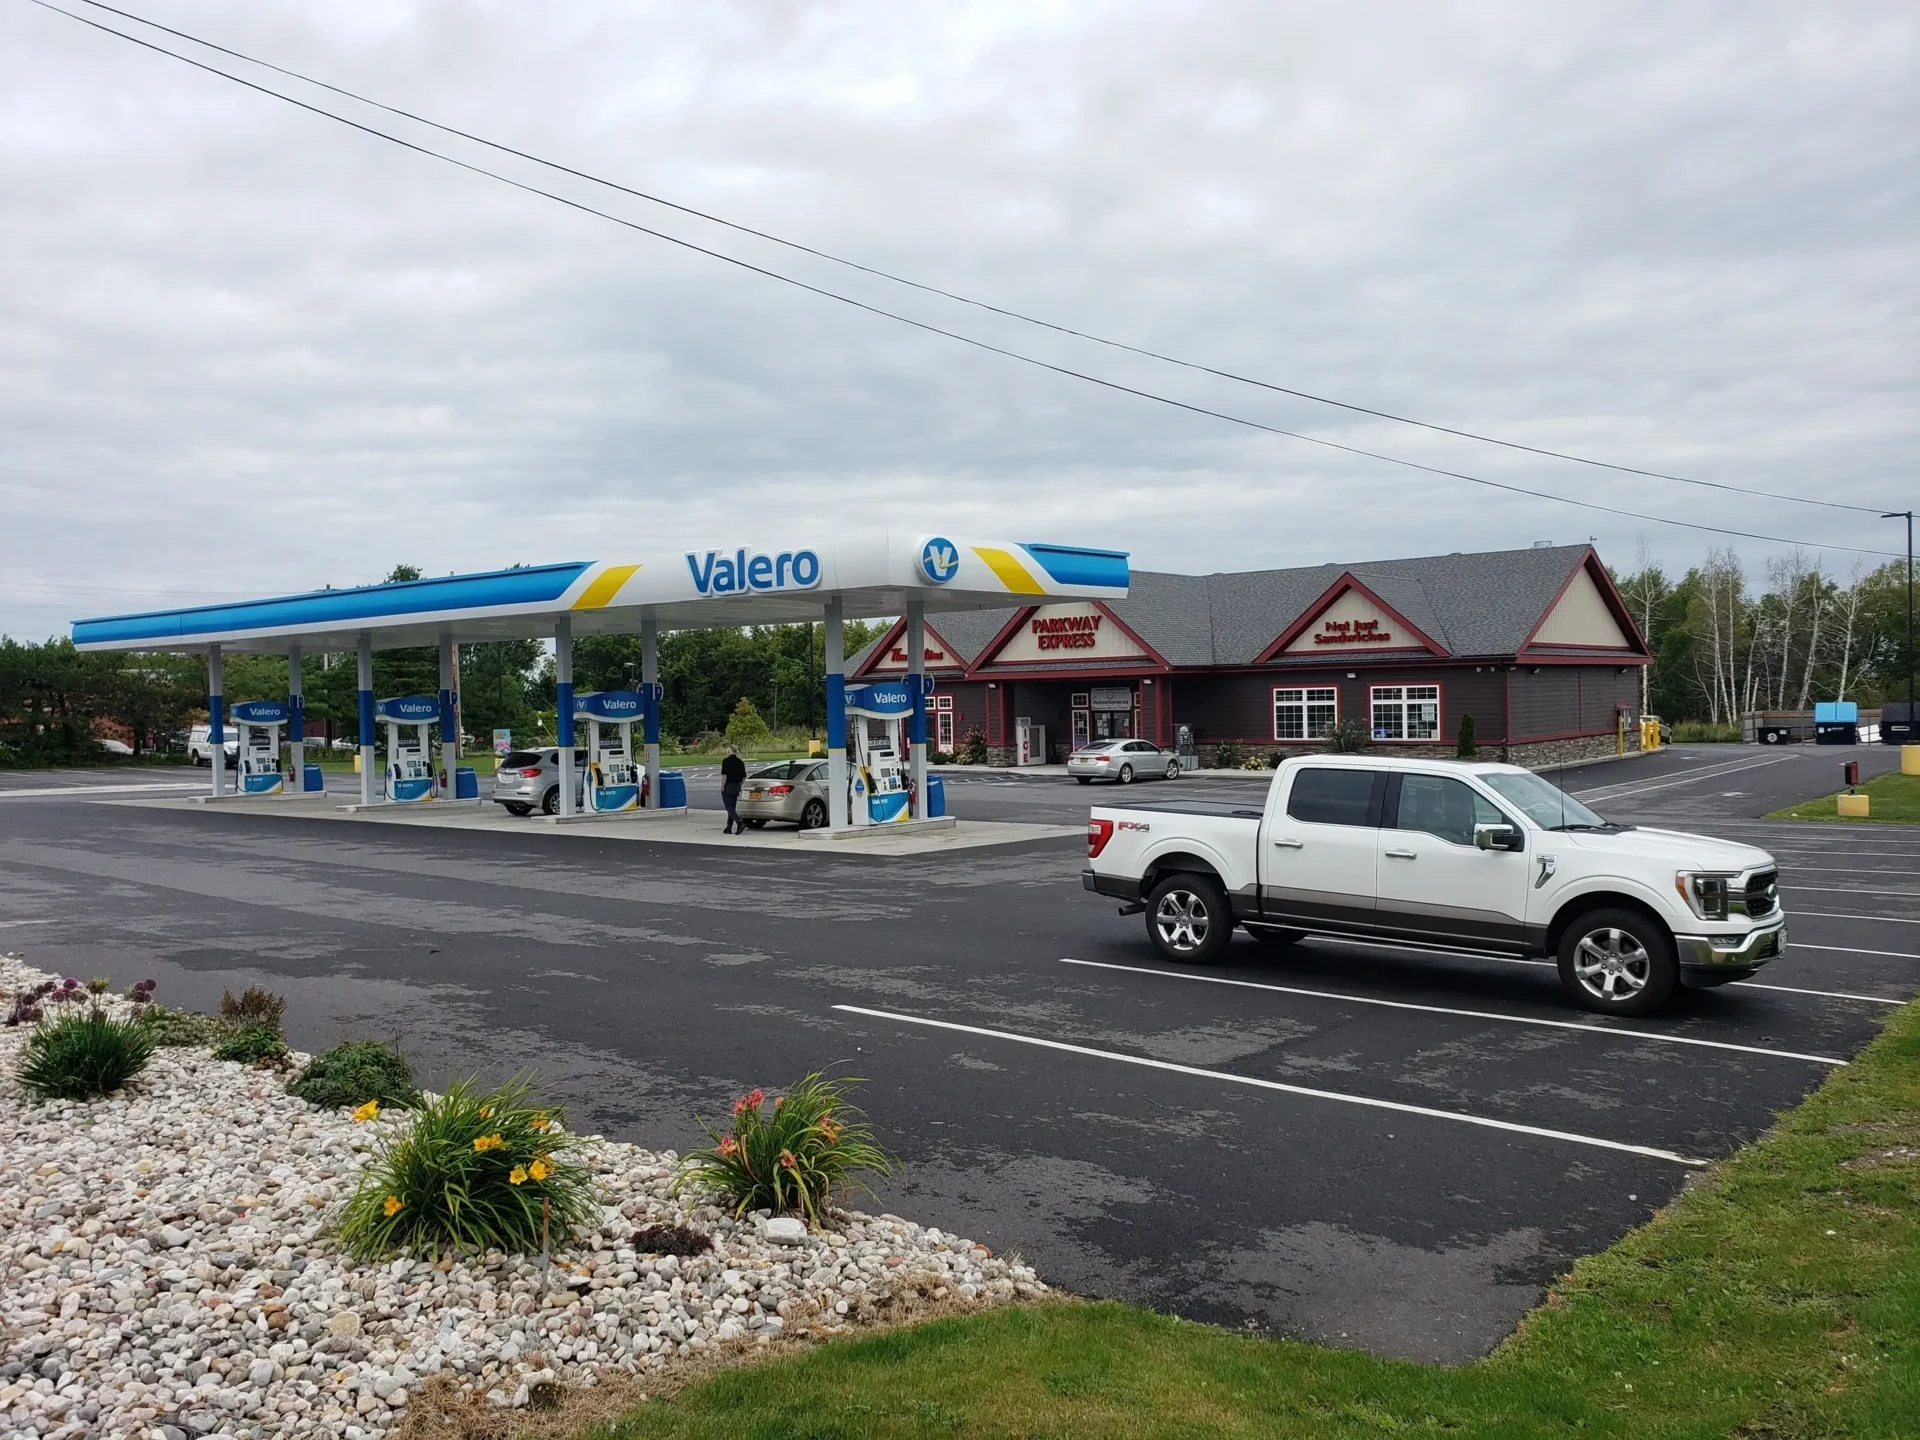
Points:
[[98, 790], [1842, 890], [1230, 1078], [1864, 919], [26, 922], [1852, 950], [1621, 792], [1612, 1031], [1824, 994]]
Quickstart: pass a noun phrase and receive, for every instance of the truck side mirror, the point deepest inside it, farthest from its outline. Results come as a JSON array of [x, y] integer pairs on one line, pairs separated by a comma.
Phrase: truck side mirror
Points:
[[1498, 837]]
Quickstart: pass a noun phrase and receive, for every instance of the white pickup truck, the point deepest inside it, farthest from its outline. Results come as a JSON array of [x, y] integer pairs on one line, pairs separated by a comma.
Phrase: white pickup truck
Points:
[[1451, 856]]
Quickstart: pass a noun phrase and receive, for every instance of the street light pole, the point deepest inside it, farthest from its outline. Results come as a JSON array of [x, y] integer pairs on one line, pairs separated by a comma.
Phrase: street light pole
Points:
[[1913, 661]]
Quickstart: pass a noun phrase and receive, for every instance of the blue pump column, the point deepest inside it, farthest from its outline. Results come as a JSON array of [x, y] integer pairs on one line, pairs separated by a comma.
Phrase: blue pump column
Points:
[[836, 717], [216, 723], [649, 677], [296, 724], [563, 701], [917, 726], [449, 722], [369, 756]]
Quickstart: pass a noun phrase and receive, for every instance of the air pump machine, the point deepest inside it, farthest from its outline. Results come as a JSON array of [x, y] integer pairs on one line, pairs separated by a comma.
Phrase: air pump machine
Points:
[[612, 780], [409, 719], [878, 779], [260, 723]]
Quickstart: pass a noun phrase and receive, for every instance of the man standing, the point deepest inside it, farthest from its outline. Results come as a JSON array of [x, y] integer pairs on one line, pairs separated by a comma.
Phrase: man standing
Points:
[[733, 770]]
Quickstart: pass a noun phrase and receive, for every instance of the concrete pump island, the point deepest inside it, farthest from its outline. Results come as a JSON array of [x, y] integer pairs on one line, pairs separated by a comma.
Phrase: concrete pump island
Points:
[[876, 734]]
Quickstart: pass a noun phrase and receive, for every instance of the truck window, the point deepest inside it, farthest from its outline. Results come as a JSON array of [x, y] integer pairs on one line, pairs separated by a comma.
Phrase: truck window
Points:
[[1440, 805], [1333, 797]]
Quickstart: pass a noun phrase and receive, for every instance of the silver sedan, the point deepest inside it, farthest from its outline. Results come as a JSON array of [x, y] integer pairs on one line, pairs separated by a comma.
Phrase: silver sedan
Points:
[[1123, 762], [790, 790]]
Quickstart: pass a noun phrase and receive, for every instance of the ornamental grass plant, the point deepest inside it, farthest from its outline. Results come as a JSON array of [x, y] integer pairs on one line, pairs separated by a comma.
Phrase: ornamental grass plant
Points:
[[792, 1156], [252, 1045], [477, 1170], [354, 1073], [83, 1054]]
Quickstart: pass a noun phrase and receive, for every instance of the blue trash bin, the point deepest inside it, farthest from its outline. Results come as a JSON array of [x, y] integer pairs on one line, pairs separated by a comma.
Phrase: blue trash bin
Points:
[[466, 783], [673, 790], [936, 796], [312, 779]]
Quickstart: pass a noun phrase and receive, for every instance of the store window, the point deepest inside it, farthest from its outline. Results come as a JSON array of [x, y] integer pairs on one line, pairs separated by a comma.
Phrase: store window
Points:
[[943, 722], [1406, 712], [1305, 714]]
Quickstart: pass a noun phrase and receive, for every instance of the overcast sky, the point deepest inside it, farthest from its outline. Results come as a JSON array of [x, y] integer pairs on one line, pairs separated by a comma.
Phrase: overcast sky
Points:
[[245, 350]]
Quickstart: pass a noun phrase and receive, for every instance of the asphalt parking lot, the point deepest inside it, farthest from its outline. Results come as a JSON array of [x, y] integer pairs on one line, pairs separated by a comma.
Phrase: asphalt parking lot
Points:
[[1349, 1143]]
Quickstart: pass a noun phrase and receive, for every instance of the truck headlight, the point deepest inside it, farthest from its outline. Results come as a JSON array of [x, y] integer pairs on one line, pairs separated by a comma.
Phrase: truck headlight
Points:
[[1704, 891]]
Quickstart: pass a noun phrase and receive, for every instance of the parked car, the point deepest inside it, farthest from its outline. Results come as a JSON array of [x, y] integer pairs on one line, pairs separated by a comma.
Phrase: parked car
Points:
[[530, 779], [200, 746], [1123, 762], [1449, 856], [791, 790]]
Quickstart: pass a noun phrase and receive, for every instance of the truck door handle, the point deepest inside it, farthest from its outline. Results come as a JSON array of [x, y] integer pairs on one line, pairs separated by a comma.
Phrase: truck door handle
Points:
[[1401, 854], [1287, 844]]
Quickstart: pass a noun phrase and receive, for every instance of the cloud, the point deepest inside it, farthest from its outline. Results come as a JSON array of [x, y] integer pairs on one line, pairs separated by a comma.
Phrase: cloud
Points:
[[244, 350]]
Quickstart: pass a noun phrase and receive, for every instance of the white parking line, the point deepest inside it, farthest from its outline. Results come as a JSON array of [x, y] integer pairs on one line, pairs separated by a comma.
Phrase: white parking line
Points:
[[1868, 919], [1839, 890], [26, 922], [99, 790], [1852, 950], [1608, 1030], [1686, 777], [1232, 1079], [1824, 994]]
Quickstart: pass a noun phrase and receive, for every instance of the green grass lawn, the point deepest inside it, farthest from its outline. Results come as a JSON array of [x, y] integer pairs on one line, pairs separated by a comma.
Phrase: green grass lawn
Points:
[[1779, 1297], [1895, 800]]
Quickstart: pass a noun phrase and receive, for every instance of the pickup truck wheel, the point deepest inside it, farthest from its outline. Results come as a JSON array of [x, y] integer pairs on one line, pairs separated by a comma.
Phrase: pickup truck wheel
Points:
[[1617, 962], [1188, 919]]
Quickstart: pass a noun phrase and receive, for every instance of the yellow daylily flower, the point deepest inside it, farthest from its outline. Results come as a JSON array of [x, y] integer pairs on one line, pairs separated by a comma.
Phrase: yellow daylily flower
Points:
[[539, 1170], [394, 1206], [518, 1175], [485, 1143], [366, 1112]]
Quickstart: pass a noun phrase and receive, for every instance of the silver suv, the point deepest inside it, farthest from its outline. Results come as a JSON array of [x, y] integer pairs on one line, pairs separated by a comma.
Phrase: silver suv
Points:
[[530, 779]]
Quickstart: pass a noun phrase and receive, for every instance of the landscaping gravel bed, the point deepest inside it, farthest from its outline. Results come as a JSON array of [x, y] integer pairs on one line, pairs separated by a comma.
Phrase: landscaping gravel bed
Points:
[[166, 1269]]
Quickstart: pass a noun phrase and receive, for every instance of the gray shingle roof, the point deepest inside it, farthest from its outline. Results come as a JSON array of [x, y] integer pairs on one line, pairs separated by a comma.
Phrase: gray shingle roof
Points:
[[1478, 604]]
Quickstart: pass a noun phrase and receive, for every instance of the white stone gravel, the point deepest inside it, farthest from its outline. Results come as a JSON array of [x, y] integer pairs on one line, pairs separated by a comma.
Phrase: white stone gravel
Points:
[[165, 1269]]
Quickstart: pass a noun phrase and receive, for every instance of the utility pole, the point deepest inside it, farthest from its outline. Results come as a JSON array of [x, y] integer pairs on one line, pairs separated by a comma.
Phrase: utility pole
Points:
[[1913, 661]]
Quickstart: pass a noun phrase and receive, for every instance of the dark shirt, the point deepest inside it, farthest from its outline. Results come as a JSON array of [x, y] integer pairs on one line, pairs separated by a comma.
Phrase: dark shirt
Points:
[[732, 770]]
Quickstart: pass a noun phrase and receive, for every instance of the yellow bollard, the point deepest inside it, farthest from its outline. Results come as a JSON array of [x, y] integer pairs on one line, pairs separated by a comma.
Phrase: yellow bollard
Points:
[[1910, 759], [356, 762], [1853, 805], [819, 747]]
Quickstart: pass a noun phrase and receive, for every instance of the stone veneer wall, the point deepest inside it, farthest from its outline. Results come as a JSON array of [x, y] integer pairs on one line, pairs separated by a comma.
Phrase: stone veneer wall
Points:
[[1546, 752]]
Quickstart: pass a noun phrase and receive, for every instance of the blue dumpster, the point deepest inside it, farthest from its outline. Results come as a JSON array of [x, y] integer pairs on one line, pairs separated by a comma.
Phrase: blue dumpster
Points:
[[673, 790], [936, 796], [312, 780], [466, 783]]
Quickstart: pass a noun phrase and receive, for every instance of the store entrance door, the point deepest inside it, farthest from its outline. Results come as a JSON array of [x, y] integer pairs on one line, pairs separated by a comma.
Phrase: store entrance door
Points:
[[1082, 728], [1112, 711]]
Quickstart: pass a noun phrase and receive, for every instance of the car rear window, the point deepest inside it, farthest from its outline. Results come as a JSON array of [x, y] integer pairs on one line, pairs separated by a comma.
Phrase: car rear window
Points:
[[519, 760], [1333, 797]]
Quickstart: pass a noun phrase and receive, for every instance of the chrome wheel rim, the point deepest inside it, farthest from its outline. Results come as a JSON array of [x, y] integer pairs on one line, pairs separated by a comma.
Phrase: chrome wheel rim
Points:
[[1173, 771], [1182, 921], [1126, 774], [1611, 964]]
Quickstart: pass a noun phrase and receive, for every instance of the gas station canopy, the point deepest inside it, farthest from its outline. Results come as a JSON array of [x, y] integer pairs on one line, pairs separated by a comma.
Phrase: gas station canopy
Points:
[[686, 590]]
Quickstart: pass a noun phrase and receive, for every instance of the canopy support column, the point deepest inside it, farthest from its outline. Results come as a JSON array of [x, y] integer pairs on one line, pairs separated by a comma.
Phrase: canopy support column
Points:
[[563, 706], [216, 722], [836, 716], [917, 724], [449, 723], [650, 677], [369, 757], [296, 723]]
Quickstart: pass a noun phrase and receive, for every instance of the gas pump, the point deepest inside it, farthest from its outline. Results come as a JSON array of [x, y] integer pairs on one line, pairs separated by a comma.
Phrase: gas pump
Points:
[[613, 781], [409, 720], [878, 781], [260, 723]]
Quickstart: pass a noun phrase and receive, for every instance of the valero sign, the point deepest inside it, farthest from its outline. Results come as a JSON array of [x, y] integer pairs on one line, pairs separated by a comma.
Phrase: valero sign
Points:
[[608, 705], [261, 712], [750, 572], [412, 709]]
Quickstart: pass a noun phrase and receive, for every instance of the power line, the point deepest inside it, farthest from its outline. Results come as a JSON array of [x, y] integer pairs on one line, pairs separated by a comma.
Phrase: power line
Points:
[[985, 305], [923, 325]]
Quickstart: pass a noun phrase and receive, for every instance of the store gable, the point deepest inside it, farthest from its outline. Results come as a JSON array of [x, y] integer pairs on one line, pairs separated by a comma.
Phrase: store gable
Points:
[[1349, 619], [1079, 632], [890, 656], [1585, 617]]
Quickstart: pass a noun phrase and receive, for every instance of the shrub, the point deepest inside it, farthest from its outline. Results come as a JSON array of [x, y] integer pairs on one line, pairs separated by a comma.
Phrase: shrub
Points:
[[1229, 755], [939, 757], [180, 1027], [973, 748], [79, 1056], [354, 1073], [1258, 762], [252, 1045], [1464, 747], [1700, 732], [475, 1171], [255, 1007], [791, 1155], [1349, 737], [745, 729], [681, 1240]]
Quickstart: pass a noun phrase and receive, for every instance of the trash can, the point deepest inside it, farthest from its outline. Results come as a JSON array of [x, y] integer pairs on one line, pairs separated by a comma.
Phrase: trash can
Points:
[[1898, 724], [936, 796], [466, 783], [673, 790], [312, 779]]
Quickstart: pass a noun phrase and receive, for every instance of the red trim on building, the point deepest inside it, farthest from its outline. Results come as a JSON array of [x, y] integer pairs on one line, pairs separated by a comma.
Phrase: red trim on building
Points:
[[1333, 592], [1151, 663], [896, 635], [1616, 606]]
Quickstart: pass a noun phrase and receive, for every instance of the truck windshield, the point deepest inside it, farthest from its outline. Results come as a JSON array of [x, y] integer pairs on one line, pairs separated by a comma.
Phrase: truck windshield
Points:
[[1545, 803]]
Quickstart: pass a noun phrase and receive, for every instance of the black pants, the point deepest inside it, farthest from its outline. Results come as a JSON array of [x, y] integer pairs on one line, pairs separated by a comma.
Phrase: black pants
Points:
[[729, 797]]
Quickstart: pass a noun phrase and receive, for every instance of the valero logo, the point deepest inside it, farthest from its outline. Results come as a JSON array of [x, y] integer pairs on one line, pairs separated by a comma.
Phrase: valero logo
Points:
[[939, 560], [742, 573]]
